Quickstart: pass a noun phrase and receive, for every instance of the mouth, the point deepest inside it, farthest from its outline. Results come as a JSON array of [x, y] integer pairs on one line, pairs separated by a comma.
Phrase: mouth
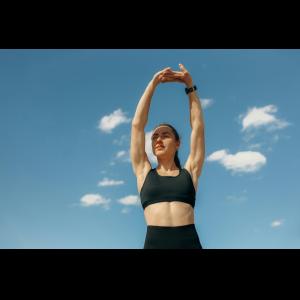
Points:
[[159, 147]]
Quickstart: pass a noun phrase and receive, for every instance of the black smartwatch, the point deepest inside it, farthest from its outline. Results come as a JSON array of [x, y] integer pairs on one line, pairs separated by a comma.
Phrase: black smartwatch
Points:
[[191, 89]]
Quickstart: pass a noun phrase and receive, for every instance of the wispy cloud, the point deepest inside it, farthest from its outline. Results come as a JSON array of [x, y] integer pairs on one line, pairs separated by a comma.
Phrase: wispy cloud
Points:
[[262, 117], [109, 122], [275, 138], [277, 223], [123, 155], [123, 139], [93, 200], [125, 210], [110, 182], [242, 162], [205, 103], [237, 198], [254, 146], [130, 200]]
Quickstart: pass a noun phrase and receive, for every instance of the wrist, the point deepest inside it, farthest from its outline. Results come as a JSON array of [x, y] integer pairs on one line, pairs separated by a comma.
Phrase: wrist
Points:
[[191, 89], [154, 83], [189, 84]]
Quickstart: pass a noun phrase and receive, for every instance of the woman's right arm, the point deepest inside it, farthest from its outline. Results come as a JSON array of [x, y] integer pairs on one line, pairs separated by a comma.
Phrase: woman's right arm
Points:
[[141, 114], [139, 158]]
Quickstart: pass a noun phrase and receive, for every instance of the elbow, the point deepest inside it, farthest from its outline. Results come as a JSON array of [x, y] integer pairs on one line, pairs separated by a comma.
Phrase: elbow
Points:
[[138, 123], [198, 125]]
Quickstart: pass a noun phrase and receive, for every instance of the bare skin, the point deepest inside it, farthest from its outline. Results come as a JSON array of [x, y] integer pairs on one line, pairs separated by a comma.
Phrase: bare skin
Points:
[[173, 213], [164, 146]]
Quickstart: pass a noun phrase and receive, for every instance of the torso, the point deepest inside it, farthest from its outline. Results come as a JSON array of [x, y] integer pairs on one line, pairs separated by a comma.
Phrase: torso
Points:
[[174, 213]]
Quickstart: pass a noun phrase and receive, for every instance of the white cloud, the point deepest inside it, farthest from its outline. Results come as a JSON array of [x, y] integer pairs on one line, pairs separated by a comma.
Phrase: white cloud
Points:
[[205, 103], [148, 147], [130, 200], [262, 116], [277, 223], [94, 199], [243, 161], [120, 154], [110, 182], [217, 155], [109, 122]]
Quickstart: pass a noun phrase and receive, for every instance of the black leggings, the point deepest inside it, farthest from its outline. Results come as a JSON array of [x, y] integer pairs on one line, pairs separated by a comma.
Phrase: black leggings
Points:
[[169, 237]]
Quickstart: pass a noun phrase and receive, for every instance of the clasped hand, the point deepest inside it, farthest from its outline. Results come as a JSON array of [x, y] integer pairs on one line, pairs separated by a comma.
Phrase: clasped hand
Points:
[[168, 75]]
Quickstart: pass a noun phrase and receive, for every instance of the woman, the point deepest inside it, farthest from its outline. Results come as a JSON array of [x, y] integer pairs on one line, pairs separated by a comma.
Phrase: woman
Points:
[[168, 192]]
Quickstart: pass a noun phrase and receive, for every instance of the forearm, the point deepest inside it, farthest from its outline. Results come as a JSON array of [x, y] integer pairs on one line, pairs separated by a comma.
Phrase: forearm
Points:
[[196, 113], [141, 114]]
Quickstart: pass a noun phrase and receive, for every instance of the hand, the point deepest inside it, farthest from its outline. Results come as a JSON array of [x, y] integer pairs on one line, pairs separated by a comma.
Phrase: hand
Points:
[[157, 78], [172, 76]]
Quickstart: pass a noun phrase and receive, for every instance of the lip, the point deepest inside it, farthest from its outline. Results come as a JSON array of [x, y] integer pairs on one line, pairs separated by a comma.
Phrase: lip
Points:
[[157, 147]]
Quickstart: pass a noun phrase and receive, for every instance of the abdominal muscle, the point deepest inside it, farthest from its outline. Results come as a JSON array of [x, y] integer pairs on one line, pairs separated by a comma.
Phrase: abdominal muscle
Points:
[[173, 213]]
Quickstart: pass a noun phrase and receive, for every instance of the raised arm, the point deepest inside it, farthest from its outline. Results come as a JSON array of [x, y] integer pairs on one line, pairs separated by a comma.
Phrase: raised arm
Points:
[[141, 114], [138, 154], [196, 114], [197, 150], [195, 160]]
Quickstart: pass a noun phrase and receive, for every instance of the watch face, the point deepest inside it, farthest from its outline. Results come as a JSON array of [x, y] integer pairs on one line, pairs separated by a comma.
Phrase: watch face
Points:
[[191, 89]]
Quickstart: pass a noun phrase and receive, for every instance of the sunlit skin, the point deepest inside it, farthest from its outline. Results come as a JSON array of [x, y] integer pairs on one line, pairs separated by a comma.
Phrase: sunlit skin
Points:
[[174, 213], [163, 136]]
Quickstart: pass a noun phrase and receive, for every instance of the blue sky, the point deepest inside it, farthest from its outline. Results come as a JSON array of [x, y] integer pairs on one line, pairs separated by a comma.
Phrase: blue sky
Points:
[[66, 180]]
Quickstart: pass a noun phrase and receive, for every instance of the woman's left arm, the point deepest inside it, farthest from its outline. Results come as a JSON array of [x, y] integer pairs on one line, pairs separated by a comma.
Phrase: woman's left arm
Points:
[[197, 148]]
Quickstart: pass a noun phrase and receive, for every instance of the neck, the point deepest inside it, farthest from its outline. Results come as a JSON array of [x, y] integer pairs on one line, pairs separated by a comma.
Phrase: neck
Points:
[[166, 166]]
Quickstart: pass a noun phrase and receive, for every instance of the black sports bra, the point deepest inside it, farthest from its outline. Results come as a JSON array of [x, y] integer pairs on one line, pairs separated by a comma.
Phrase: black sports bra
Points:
[[158, 188]]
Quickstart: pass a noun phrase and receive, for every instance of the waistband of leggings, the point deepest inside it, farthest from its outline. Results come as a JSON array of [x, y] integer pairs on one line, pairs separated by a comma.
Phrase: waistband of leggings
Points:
[[171, 227]]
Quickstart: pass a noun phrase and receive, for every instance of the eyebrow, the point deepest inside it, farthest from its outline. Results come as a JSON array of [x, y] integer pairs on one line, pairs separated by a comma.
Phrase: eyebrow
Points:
[[162, 132]]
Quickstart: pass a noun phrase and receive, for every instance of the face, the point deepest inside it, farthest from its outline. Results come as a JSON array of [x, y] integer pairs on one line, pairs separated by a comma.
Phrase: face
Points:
[[163, 141]]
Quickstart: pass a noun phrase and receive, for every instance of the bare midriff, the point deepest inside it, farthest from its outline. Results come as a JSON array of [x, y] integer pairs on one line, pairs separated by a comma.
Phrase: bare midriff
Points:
[[173, 213]]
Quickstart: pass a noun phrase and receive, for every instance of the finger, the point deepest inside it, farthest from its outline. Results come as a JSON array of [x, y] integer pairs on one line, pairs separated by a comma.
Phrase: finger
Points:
[[182, 67], [166, 69], [169, 79], [176, 72], [169, 71], [173, 72], [172, 80], [173, 75]]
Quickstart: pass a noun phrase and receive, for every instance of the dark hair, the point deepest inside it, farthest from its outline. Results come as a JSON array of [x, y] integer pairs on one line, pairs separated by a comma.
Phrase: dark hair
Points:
[[177, 137]]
